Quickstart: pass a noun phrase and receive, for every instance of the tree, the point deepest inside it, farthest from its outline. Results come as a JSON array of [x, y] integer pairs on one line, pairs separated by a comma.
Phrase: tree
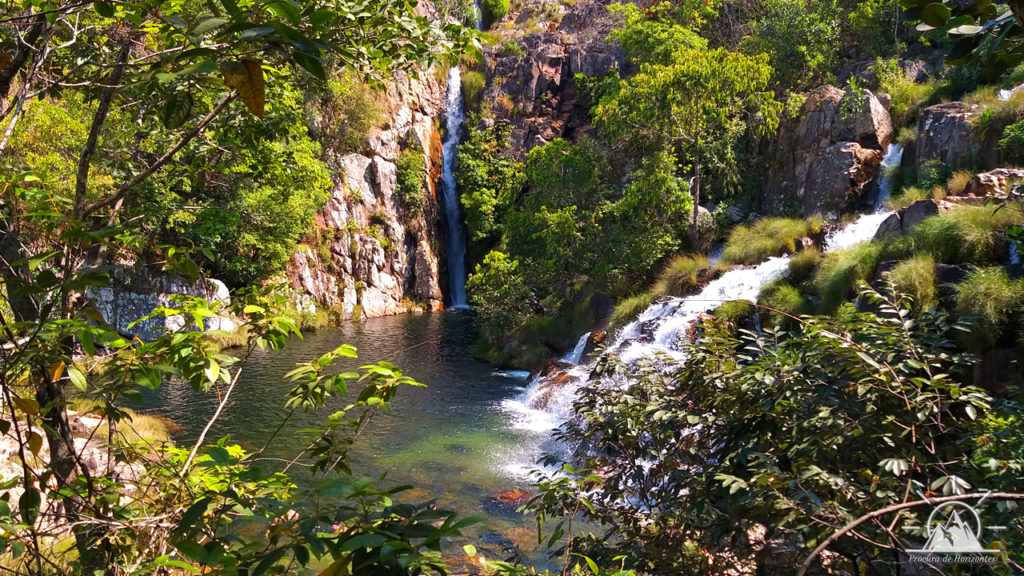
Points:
[[697, 106]]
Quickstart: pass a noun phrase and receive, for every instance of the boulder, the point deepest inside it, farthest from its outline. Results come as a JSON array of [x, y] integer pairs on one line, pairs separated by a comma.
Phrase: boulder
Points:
[[835, 180], [994, 182], [870, 125], [945, 134], [903, 221]]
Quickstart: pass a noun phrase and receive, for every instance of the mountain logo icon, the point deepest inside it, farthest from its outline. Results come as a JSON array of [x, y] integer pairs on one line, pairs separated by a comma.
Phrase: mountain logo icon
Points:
[[954, 528]]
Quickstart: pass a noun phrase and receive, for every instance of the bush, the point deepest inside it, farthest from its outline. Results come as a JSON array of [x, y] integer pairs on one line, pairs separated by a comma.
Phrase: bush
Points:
[[915, 278], [511, 49], [627, 309], [997, 301], [411, 172], [499, 295], [680, 275], [966, 234], [907, 97], [765, 238], [734, 312], [784, 297], [841, 271], [493, 10], [801, 38], [473, 84], [803, 264], [349, 113], [873, 25]]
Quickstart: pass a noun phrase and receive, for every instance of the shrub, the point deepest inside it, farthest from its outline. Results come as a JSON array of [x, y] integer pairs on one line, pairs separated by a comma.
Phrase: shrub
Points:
[[803, 264], [493, 11], [350, 112], [801, 39], [511, 49], [915, 278], [784, 297], [907, 97], [734, 312], [966, 234], [766, 237], [873, 25], [841, 271], [499, 295], [473, 84], [411, 172], [680, 275], [996, 300], [627, 309]]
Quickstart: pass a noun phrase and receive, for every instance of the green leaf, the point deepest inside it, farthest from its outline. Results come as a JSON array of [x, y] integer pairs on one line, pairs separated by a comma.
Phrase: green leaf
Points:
[[470, 550], [206, 25], [177, 109], [77, 378], [105, 9], [28, 506], [935, 14], [193, 551], [363, 541]]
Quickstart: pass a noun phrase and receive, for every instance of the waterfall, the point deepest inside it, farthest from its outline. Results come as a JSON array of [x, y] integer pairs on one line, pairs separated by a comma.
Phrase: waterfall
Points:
[[576, 354], [455, 238], [661, 328]]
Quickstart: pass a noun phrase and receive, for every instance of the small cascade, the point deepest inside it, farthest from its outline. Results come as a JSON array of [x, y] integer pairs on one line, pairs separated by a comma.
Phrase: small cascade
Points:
[[576, 354], [662, 327]]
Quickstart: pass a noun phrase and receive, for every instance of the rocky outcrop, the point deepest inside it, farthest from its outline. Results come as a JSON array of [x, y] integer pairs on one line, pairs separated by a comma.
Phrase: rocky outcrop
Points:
[[994, 182], [370, 254], [536, 93], [135, 291], [945, 134], [903, 221], [827, 155]]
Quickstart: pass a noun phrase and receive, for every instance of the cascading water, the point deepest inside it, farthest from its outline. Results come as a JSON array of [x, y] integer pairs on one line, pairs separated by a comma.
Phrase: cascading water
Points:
[[547, 402], [576, 354], [455, 238]]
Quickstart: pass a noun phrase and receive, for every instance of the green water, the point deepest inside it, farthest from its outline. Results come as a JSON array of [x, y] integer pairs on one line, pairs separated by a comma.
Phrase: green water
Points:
[[456, 440]]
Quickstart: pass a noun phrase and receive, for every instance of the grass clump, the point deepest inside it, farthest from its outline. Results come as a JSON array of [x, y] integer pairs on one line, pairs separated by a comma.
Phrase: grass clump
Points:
[[966, 234], [765, 238], [958, 182], [915, 278], [627, 309], [906, 197], [734, 311], [784, 297], [998, 303], [133, 429], [841, 271], [907, 97], [473, 84], [803, 264], [680, 275]]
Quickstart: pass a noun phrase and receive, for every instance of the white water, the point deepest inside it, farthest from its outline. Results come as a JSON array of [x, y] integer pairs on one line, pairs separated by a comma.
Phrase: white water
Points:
[[455, 238], [663, 325], [576, 354]]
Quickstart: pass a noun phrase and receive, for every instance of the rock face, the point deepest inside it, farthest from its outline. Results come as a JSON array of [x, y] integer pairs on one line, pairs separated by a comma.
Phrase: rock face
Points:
[[903, 222], [827, 155], [536, 93], [368, 250], [135, 291], [994, 183], [945, 134]]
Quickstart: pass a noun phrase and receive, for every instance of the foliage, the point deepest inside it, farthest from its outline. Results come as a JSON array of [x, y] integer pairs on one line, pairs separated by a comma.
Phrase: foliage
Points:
[[654, 35], [349, 109], [510, 49], [915, 279], [800, 432], [907, 98], [997, 301], [778, 301], [803, 264], [627, 309], [767, 237], [680, 275], [473, 84], [492, 11], [730, 314], [965, 234], [499, 295], [875, 26], [488, 182], [801, 39], [842, 271], [411, 177]]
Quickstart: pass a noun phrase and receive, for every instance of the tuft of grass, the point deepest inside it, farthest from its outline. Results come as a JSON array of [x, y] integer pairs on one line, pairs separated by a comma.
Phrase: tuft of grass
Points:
[[627, 309], [733, 312], [765, 238], [958, 182], [473, 84], [803, 264], [135, 428], [841, 271], [906, 197], [997, 301], [907, 98], [224, 340], [784, 297], [679, 275], [965, 234], [915, 278]]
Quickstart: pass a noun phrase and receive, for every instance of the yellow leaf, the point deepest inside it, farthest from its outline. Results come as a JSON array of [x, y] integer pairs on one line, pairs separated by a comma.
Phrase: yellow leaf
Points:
[[339, 568], [246, 76], [35, 442], [56, 371], [27, 405]]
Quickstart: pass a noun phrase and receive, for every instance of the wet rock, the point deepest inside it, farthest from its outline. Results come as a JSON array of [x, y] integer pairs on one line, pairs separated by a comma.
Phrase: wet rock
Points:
[[517, 497], [835, 180]]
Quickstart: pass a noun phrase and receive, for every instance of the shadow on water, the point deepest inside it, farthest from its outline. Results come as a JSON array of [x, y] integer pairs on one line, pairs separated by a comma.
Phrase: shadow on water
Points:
[[452, 440]]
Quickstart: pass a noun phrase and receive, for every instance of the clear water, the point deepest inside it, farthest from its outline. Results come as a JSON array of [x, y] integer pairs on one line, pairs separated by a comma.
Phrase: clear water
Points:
[[456, 440]]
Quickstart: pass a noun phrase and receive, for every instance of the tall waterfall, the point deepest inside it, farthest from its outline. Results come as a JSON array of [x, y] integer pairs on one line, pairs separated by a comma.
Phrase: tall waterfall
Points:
[[455, 238], [663, 325]]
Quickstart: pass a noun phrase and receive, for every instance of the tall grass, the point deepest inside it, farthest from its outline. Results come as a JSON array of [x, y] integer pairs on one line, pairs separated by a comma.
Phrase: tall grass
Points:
[[803, 264], [915, 278], [784, 297], [841, 271], [734, 312], [965, 234], [997, 301], [765, 238], [627, 309], [680, 275]]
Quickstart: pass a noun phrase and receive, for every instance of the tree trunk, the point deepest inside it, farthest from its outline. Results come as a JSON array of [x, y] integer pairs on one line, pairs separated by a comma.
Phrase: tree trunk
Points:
[[696, 201]]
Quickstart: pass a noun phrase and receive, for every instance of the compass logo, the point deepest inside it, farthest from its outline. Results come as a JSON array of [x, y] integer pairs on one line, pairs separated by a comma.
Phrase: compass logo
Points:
[[954, 531]]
